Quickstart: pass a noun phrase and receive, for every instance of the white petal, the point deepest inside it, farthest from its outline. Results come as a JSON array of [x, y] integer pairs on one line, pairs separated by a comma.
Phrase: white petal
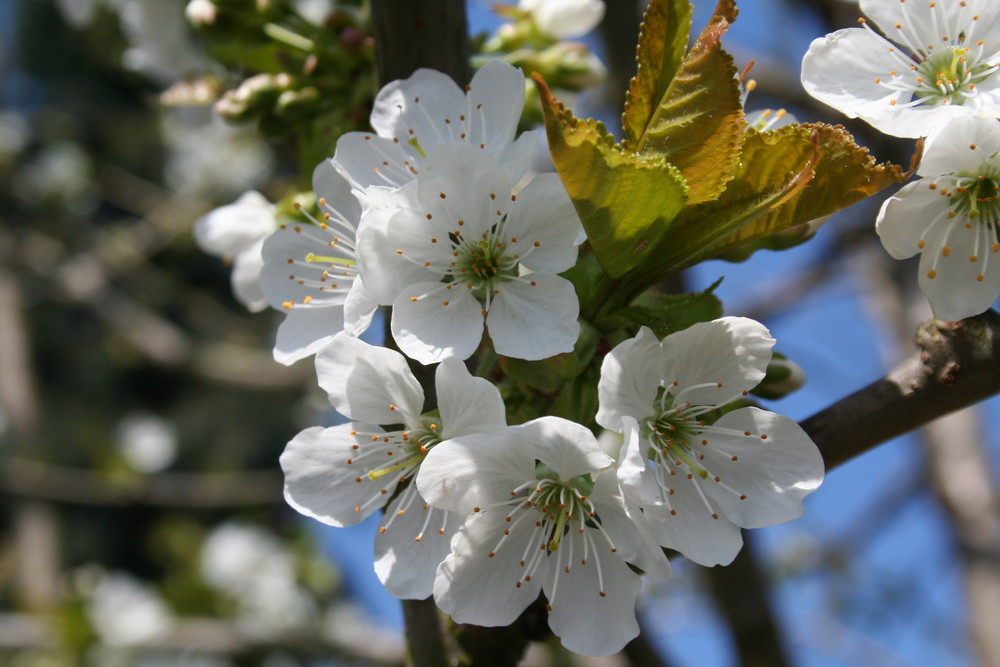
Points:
[[425, 108], [468, 404], [320, 483], [475, 470], [632, 465], [288, 276], [729, 355], [229, 230], [359, 308], [496, 99], [904, 218], [564, 446], [412, 541], [331, 186], [431, 323], [630, 377], [305, 331], [774, 473], [566, 19], [586, 621], [544, 214], [693, 532], [245, 278], [369, 160], [368, 383], [534, 321], [464, 187], [627, 526], [393, 247], [966, 282], [678, 516], [964, 144], [517, 157], [476, 588]]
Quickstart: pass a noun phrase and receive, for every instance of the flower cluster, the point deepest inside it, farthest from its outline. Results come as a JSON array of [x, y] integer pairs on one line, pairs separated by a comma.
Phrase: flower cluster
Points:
[[932, 71], [433, 215], [426, 215]]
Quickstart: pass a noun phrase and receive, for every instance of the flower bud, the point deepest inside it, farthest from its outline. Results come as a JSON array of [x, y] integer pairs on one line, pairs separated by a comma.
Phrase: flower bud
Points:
[[783, 377], [201, 13]]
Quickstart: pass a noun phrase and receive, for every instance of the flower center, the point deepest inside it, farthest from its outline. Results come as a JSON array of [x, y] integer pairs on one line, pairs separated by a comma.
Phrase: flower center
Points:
[[561, 502], [678, 438], [949, 76], [416, 443], [975, 195], [482, 264]]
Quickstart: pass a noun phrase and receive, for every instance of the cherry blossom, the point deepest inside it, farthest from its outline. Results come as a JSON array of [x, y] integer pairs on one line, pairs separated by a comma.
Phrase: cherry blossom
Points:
[[236, 232], [412, 117], [699, 475], [539, 521], [455, 249], [310, 272], [342, 474], [932, 62], [950, 216]]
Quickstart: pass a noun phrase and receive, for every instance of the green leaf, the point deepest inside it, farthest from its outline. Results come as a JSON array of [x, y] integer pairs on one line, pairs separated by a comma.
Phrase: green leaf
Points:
[[786, 177], [698, 126], [548, 375], [663, 38], [625, 201], [667, 313], [535, 374]]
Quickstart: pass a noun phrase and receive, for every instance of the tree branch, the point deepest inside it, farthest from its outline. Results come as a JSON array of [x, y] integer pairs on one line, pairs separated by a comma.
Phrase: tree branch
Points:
[[410, 34], [34, 480], [741, 592], [957, 364]]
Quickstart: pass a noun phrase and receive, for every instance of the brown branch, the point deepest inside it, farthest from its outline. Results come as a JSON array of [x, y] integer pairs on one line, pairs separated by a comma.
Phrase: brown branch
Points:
[[741, 592], [36, 528], [410, 34], [957, 364], [424, 639]]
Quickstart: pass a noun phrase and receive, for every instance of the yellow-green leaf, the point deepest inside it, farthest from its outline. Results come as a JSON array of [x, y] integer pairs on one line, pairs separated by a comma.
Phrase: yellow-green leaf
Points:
[[843, 174], [786, 177], [625, 201], [698, 126], [663, 38]]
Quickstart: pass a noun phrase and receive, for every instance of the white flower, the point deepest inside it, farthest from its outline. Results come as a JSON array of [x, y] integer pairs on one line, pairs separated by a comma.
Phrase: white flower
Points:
[[564, 19], [413, 116], [538, 521], [453, 249], [310, 273], [147, 442], [951, 216], [161, 44], [342, 474], [698, 478], [941, 63], [207, 157], [125, 611], [254, 567], [236, 233]]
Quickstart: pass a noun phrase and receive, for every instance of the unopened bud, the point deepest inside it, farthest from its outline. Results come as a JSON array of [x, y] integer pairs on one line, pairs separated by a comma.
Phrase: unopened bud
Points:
[[782, 378], [201, 13], [297, 103]]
